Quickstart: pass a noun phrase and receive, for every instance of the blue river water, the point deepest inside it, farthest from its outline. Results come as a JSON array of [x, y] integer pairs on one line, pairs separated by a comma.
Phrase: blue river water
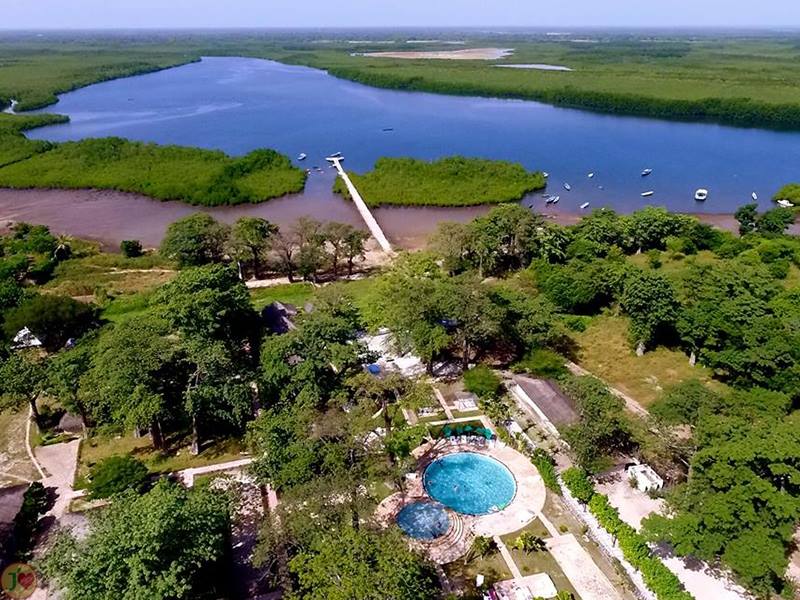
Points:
[[239, 104]]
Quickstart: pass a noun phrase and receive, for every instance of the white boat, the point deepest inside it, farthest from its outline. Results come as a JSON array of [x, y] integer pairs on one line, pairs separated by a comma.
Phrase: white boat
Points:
[[567, 187], [591, 175], [546, 174], [785, 204], [584, 205], [701, 194], [754, 196], [648, 193], [302, 156], [556, 199], [336, 155], [646, 172]]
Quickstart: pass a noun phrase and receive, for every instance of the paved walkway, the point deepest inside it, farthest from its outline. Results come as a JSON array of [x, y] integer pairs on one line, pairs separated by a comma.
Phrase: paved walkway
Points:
[[187, 475], [59, 461], [443, 402], [370, 221], [512, 566], [584, 575]]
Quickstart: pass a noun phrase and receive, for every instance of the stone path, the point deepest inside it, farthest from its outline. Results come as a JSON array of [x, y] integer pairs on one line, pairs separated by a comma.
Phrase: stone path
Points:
[[512, 566], [443, 402], [584, 575], [60, 461], [187, 475]]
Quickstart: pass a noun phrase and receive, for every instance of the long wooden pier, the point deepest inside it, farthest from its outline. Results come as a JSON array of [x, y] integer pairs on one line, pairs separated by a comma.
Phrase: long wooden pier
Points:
[[362, 207]]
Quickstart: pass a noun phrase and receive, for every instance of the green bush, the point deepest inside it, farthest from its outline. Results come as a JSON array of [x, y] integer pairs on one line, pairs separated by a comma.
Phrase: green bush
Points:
[[546, 466], [483, 382], [131, 248], [654, 258], [115, 475], [542, 363], [578, 484]]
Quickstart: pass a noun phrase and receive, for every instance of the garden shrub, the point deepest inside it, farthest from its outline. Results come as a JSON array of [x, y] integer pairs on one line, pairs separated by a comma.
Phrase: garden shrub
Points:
[[117, 474], [483, 382]]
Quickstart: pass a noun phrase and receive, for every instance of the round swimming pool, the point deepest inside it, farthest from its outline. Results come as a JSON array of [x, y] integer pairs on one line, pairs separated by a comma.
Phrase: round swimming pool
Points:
[[423, 520], [470, 483]]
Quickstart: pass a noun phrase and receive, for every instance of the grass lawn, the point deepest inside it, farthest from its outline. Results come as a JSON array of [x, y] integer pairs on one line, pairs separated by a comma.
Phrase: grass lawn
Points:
[[604, 349], [14, 461], [178, 458], [463, 575], [112, 274], [290, 293]]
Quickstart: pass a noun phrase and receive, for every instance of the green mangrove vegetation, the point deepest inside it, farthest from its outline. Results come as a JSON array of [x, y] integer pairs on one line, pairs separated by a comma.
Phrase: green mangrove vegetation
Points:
[[789, 192], [452, 181], [192, 175]]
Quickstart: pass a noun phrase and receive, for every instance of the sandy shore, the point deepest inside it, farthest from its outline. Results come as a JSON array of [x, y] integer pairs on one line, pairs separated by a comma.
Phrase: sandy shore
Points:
[[110, 217], [466, 54]]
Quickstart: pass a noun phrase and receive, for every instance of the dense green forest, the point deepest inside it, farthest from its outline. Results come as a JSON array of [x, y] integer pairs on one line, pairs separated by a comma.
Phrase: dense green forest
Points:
[[192, 175], [452, 181]]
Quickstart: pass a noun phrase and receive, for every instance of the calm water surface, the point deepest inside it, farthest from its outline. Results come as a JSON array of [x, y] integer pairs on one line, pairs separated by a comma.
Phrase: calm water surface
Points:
[[238, 104]]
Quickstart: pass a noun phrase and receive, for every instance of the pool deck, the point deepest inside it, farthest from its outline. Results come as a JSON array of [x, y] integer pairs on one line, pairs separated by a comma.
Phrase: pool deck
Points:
[[525, 507]]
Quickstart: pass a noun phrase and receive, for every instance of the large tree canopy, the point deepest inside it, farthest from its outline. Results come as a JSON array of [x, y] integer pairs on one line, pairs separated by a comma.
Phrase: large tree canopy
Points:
[[161, 546]]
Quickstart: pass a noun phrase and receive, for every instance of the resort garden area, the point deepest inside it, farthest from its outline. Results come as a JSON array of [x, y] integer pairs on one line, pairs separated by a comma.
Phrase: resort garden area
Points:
[[456, 422]]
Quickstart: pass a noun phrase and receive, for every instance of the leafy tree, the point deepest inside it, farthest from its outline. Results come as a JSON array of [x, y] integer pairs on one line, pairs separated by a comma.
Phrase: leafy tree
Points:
[[117, 474], [137, 376], [64, 373], [195, 240], [452, 242], [340, 237], [210, 311], [311, 363], [53, 319], [602, 427], [775, 221], [350, 563], [650, 227], [747, 216], [503, 239], [161, 545], [251, 238], [481, 547], [682, 403], [649, 299], [22, 379], [603, 227], [311, 255], [579, 484], [285, 246], [131, 248], [354, 247], [483, 382], [527, 542]]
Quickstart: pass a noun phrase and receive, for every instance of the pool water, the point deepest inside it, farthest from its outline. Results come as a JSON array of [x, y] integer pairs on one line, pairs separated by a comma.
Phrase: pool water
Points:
[[423, 520], [470, 483]]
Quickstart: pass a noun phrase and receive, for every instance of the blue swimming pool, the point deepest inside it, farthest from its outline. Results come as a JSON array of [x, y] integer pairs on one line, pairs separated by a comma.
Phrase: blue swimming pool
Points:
[[424, 520], [470, 483]]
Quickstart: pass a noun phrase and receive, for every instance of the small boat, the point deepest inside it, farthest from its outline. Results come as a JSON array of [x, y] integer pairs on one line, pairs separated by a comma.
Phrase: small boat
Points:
[[647, 194], [302, 156], [567, 187], [388, 128], [785, 204], [754, 196], [600, 187], [336, 155], [556, 199], [591, 175], [584, 205], [546, 174], [701, 194], [646, 172]]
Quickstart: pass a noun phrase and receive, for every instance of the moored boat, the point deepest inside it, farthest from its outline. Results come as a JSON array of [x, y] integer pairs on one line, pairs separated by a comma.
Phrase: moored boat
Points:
[[302, 156], [567, 187], [584, 205], [647, 194], [701, 195], [646, 172]]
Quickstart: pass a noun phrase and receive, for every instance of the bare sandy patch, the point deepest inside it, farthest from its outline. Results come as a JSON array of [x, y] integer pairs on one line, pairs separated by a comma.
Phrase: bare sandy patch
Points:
[[466, 54]]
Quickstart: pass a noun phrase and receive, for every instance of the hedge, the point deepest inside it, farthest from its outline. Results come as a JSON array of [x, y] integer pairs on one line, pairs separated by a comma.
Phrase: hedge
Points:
[[658, 578], [547, 469]]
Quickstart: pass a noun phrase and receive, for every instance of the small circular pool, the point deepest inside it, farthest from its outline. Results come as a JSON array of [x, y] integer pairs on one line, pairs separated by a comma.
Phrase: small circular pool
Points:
[[470, 483], [423, 520]]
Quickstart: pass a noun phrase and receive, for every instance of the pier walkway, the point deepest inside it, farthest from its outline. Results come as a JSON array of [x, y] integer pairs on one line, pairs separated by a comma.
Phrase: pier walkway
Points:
[[372, 224]]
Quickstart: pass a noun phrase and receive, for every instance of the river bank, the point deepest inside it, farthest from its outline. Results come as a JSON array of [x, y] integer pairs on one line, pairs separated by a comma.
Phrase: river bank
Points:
[[109, 217]]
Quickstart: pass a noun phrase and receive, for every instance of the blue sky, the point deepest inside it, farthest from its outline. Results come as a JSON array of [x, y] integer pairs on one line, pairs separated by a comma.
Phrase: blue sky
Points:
[[27, 14]]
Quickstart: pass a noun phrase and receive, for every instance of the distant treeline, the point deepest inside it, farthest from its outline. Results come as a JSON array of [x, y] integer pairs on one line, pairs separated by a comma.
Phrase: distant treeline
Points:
[[742, 112], [453, 181]]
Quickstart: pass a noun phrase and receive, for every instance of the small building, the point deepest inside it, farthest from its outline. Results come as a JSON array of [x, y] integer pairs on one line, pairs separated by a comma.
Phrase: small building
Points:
[[645, 478], [25, 340]]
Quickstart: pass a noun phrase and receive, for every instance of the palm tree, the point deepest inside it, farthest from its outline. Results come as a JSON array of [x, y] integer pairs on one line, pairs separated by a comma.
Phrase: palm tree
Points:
[[527, 543]]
